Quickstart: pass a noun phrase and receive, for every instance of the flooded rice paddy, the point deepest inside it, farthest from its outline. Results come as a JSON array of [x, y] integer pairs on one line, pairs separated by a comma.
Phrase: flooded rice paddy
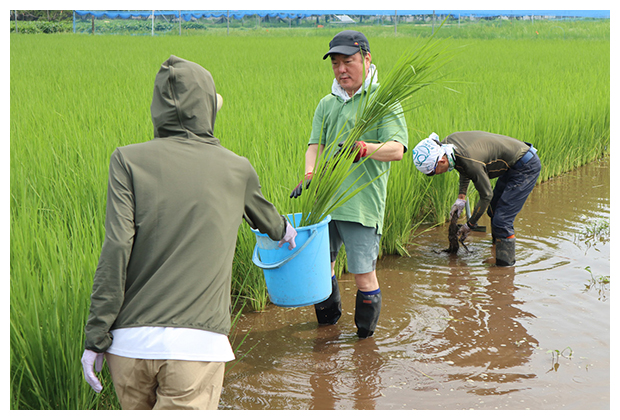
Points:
[[456, 332]]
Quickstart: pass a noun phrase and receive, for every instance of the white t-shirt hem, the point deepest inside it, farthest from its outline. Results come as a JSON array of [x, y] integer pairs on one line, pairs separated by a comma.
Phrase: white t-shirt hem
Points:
[[171, 343]]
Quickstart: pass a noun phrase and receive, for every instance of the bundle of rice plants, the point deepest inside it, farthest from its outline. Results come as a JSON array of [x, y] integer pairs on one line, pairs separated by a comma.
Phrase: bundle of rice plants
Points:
[[379, 105]]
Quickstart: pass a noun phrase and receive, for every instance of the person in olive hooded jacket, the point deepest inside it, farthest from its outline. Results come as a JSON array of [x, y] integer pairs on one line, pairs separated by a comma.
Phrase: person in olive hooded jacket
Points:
[[160, 304]]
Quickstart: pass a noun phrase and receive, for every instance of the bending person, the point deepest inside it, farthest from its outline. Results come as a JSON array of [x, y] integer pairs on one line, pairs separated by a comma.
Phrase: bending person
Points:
[[478, 157]]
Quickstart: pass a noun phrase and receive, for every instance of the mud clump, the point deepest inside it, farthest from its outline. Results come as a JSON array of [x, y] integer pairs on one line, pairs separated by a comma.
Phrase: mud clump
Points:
[[453, 237]]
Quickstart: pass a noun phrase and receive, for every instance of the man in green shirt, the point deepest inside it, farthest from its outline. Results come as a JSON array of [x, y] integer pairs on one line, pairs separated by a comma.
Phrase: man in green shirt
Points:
[[358, 223], [478, 157]]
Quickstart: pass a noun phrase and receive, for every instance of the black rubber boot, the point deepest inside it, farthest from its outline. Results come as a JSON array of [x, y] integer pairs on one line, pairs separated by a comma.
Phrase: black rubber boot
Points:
[[328, 312], [505, 252], [367, 310]]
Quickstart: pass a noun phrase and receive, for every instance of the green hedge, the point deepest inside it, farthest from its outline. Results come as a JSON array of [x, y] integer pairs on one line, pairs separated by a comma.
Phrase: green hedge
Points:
[[41, 27]]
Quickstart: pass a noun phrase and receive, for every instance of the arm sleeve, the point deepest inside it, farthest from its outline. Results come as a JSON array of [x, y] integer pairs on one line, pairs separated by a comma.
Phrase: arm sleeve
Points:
[[109, 282], [319, 130], [463, 184], [394, 127], [483, 186], [259, 213]]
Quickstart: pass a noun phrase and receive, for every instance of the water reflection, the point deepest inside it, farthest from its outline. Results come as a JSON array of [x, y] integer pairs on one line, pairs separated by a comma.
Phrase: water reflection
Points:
[[486, 329], [360, 378], [367, 381], [325, 375]]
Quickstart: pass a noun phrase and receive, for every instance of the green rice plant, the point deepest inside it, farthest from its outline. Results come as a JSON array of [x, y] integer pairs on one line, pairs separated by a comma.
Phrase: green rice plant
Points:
[[323, 195], [555, 357], [594, 232], [558, 353], [599, 284], [597, 230], [406, 195]]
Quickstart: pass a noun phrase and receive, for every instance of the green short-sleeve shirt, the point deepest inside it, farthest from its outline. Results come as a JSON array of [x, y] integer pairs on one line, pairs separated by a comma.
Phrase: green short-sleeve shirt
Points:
[[332, 115]]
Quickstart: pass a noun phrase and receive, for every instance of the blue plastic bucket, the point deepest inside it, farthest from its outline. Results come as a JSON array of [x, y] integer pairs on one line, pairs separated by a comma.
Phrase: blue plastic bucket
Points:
[[299, 277]]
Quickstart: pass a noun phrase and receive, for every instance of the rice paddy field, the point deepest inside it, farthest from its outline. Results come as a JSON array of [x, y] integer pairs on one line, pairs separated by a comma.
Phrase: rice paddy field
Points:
[[75, 98]]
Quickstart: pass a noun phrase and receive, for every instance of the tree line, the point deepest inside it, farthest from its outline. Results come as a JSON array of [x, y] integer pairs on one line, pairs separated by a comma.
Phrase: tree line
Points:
[[42, 15]]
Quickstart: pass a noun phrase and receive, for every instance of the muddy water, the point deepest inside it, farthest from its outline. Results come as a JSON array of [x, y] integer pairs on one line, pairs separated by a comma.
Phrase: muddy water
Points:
[[456, 332]]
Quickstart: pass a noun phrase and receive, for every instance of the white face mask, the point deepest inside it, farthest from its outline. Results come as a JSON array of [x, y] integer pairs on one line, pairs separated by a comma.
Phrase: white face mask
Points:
[[448, 149]]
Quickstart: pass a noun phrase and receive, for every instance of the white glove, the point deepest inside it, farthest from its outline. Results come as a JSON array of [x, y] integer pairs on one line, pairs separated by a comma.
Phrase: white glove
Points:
[[458, 206], [90, 359], [463, 232], [289, 236]]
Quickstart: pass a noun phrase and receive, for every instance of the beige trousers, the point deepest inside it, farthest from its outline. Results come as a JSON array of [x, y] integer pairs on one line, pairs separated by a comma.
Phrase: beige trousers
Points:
[[142, 384]]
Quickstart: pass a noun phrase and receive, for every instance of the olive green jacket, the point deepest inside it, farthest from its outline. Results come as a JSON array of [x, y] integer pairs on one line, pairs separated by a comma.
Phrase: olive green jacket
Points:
[[481, 156], [174, 207]]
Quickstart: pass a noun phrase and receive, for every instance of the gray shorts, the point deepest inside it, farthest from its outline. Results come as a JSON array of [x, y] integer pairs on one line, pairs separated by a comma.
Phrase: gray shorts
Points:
[[361, 244]]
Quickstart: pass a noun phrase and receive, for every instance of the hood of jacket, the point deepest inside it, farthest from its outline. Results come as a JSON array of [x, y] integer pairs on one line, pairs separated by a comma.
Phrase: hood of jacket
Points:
[[184, 100]]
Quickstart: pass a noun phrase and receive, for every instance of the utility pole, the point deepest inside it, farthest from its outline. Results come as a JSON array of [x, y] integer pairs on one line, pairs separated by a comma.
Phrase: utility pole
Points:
[[227, 22], [433, 23], [395, 20], [179, 23]]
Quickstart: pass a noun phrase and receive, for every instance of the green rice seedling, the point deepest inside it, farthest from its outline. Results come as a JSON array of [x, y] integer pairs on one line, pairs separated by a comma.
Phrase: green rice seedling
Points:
[[555, 357], [556, 354], [411, 192], [600, 284], [239, 303], [594, 232]]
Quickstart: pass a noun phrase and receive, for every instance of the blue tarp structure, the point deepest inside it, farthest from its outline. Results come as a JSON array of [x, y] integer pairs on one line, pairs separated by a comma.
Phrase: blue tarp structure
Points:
[[187, 15]]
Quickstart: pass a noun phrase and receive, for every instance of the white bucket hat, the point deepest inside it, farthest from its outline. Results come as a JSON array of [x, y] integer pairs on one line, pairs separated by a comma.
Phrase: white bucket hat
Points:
[[427, 153]]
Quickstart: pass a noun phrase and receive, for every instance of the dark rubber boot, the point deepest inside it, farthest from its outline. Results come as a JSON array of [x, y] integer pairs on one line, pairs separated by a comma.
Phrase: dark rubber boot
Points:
[[328, 312], [367, 310], [505, 252]]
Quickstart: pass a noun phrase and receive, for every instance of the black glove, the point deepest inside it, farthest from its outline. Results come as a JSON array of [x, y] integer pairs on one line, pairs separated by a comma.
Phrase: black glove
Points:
[[302, 186]]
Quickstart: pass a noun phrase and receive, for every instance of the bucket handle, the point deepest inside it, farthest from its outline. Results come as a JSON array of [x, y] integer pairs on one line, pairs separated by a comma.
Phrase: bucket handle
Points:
[[256, 259]]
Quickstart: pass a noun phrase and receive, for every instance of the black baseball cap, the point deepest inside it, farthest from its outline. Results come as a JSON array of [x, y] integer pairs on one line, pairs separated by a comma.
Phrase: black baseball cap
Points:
[[348, 43]]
